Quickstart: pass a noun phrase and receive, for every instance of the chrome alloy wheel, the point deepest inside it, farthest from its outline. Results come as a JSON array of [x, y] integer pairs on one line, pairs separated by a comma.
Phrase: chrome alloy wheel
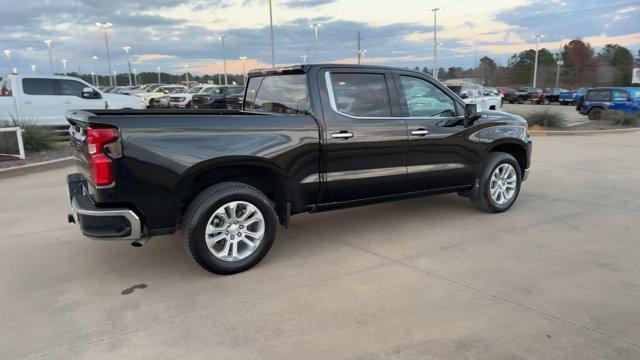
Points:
[[234, 231], [503, 184]]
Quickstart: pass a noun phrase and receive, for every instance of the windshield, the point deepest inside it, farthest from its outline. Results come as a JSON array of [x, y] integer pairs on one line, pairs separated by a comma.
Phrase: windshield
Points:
[[194, 90]]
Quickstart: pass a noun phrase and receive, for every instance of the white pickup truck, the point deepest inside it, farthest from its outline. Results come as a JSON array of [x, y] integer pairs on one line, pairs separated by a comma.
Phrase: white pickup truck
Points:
[[45, 99], [471, 93]]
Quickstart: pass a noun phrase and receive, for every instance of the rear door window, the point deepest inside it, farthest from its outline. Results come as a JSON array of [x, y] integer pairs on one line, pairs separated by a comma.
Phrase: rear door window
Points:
[[598, 95], [620, 95], [38, 86], [286, 94], [361, 95]]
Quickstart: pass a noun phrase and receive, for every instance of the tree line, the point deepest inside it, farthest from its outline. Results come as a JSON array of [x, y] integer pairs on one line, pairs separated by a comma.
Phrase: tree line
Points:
[[581, 66]]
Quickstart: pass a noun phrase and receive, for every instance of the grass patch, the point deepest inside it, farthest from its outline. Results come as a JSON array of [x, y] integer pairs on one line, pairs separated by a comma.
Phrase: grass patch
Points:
[[35, 137], [621, 118], [545, 118]]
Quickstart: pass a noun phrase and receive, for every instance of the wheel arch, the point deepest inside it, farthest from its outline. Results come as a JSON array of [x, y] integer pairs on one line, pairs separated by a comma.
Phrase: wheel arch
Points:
[[515, 148]]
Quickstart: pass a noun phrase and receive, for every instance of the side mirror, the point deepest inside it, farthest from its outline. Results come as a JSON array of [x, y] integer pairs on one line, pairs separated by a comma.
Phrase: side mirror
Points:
[[464, 95], [470, 114], [89, 93]]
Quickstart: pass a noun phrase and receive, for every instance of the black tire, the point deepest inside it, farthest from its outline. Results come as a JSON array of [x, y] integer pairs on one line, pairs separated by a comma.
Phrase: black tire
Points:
[[595, 114], [481, 197], [520, 100], [203, 207], [188, 105]]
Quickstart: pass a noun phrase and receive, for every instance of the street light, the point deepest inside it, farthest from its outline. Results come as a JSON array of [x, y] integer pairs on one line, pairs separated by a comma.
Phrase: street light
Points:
[[104, 27], [219, 76], [560, 63], [158, 71], [315, 41], [34, 68], [186, 70], [435, 41], [244, 71], [7, 54], [535, 65], [64, 66], [362, 52], [273, 49], [96, 81], [115, 79], [135, 77], [126, 49], [304, 58], [49, 44], [224, 59]]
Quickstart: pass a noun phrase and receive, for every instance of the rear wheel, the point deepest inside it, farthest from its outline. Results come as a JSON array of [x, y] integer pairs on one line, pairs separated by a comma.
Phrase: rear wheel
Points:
[[499, 183], [520, 100], [229, 228], [595, 114]]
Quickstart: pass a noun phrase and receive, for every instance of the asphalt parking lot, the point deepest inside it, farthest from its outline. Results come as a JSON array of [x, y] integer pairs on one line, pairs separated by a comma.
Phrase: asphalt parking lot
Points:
[[556, 277]]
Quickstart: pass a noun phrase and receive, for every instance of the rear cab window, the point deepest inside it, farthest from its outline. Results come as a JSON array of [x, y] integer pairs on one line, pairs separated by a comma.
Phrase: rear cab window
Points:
[[283, 94]]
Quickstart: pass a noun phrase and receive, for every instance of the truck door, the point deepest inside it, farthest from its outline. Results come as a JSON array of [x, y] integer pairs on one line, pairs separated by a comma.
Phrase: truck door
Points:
[[71, 93], [365, 145], [439, 155]]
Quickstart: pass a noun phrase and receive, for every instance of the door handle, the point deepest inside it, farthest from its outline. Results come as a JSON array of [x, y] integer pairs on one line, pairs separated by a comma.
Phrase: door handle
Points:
[[67, 102], [342, 135], [28, 102], [420, 132]]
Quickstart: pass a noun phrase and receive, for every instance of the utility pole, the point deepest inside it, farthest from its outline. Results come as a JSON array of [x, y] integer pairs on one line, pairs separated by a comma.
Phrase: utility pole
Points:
[[535, 65], [186, 69], [273, 49], [435, 42], [126, 51], [159, 78], [560, 63]]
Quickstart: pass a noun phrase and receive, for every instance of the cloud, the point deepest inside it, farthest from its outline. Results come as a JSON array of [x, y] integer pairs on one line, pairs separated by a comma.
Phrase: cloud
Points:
[[151, 58]]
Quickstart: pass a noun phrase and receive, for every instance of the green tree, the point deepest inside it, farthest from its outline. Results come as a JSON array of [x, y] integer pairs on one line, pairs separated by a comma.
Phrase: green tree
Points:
[[487, 70], [454, 72], [521, 67], [616, 65]]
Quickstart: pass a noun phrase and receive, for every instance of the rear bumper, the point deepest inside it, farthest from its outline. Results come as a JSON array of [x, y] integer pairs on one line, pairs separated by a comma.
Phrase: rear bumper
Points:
[[97, 222]]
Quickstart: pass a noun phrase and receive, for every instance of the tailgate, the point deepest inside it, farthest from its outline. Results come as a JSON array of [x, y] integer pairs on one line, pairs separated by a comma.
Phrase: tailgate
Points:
[[78, 140]]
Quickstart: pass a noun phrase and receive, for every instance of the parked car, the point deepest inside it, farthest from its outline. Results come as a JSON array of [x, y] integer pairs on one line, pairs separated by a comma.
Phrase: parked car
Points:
[[534, 95], [568, 97], [477, 94], [507, 94], [153, 98], [219, 97], [183, 99], [552, 95], [309, 138], [598, 101], [45, 99]]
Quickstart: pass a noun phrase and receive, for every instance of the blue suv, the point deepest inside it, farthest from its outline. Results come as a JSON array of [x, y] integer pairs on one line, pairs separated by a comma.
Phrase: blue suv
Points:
[[598, 100]]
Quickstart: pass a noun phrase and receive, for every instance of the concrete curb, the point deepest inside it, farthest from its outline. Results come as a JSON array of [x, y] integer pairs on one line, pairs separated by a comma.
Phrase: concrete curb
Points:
[[582, 132], [37, 167]]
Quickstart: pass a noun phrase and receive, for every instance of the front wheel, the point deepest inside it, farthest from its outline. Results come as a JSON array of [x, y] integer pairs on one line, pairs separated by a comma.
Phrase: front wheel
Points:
[[595, 114], [498, 184], [229, 228]]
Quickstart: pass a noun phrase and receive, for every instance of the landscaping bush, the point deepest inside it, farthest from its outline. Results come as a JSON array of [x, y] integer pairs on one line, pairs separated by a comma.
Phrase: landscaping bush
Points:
[[545, 118], [36, 137], [622, 118]]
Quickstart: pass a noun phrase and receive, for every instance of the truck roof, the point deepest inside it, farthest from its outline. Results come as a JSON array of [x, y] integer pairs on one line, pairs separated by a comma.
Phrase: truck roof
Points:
[[304, 68], [39, 76]]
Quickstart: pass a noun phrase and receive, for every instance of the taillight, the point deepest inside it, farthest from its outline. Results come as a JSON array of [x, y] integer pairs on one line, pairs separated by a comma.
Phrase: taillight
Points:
[[102, 173]]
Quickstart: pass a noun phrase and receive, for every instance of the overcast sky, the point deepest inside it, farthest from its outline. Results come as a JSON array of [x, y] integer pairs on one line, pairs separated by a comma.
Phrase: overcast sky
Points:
[[171, 33]]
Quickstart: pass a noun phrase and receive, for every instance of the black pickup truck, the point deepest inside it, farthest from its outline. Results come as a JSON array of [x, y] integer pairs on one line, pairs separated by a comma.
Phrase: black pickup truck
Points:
[[308, 138]]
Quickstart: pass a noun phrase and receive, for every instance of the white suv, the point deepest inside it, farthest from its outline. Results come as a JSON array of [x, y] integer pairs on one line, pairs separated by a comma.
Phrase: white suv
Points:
[[483, 97]]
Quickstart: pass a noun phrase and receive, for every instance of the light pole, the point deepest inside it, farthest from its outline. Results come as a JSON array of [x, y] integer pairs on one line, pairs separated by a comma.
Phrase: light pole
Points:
[[219, 76], [186, 71], [7, 54], [435, 42], [96, 81], [304, 58], [64, 67], [362, 52], [244, 69], [224, 59], [535, 64], [315, 41], [106, 26], [159, 78], [135, 77], [126, 49], [115, 79], [560, 63], [273, 49], [34, 68], [49, 44], [93, 78]]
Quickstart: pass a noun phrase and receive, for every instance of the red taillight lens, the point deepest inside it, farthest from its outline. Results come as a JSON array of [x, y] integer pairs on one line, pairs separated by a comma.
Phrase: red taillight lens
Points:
[[102, 173]]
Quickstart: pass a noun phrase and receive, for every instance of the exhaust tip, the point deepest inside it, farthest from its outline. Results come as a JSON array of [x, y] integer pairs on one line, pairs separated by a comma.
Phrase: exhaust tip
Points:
[[140, 242]]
